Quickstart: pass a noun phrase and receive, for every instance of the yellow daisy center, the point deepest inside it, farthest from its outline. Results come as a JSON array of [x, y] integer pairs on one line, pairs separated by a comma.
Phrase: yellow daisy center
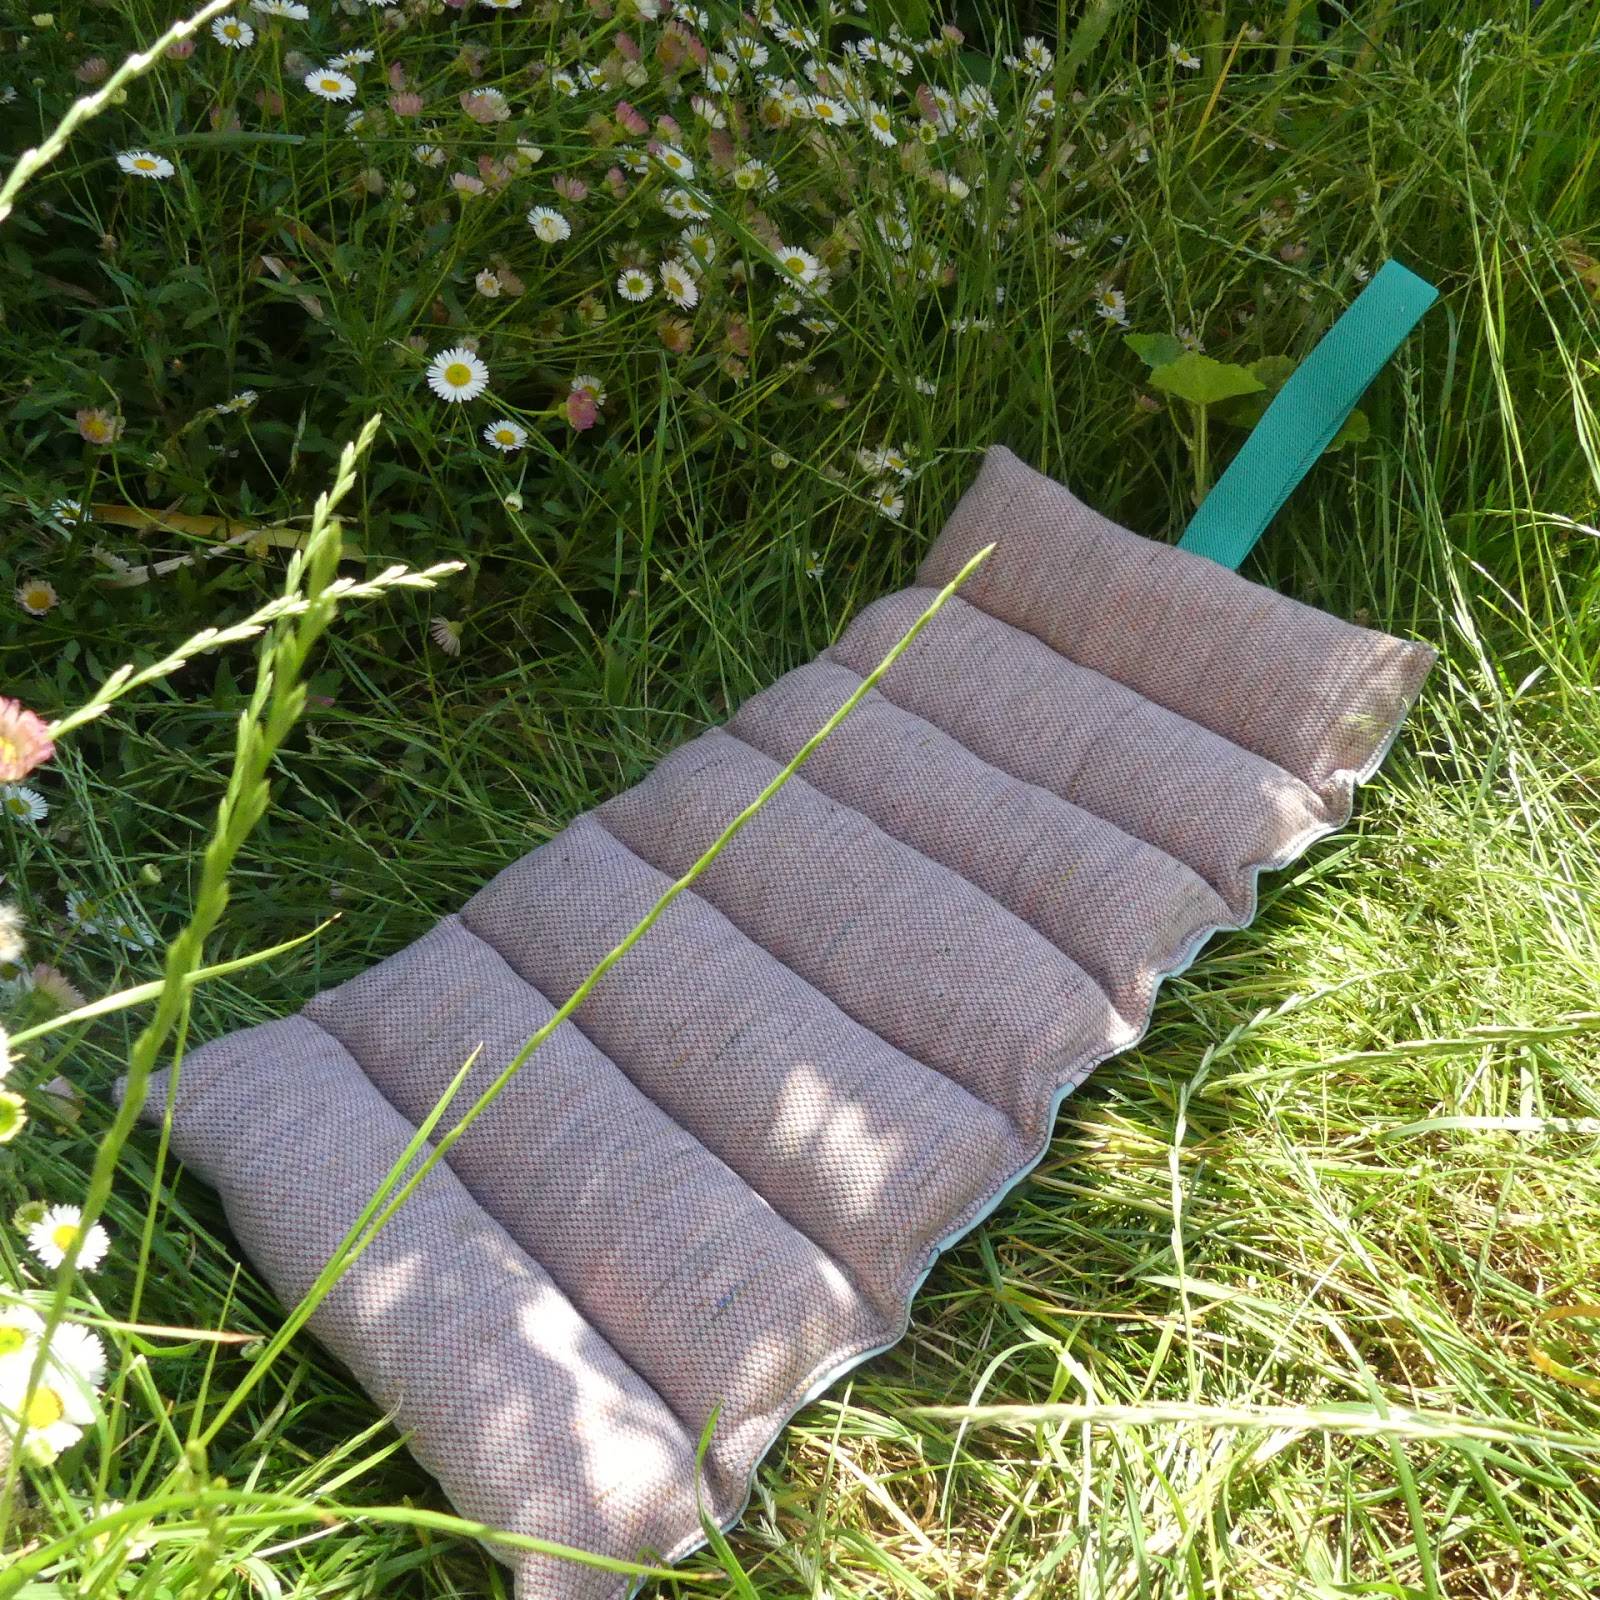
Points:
[[505, 436], [144, 163], [10, 750], [458, 374], [44, 1407], [332, 85], [62, 1235], [12, 1339], [96, 429]]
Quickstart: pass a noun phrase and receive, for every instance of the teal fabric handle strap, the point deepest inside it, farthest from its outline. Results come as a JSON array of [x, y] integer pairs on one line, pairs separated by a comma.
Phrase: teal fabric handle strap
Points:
[[1305, 414]]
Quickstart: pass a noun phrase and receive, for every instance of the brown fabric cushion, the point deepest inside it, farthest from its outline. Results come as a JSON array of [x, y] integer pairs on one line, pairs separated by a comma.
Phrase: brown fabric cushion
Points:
[[721, 1182]]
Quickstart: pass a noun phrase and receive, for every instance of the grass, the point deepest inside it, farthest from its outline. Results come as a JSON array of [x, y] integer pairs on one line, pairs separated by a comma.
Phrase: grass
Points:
[[1275, 1316]]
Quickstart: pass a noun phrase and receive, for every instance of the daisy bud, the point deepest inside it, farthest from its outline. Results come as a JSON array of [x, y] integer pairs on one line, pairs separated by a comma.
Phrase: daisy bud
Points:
[[626, 46], [181, 51], [630, 121]]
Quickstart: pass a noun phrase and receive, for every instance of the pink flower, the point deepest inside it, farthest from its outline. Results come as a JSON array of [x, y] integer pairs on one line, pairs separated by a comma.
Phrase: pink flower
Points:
[[485, 105], [724, 155], [270, 101], [91, 70], [627, 48], [466, 183], [582, 413], [667, 128], [24, 739], [406, 104], [630, 121], [397, 75], [496, 174], [616, 182], [471, 59], [570, 188], [182, 50]]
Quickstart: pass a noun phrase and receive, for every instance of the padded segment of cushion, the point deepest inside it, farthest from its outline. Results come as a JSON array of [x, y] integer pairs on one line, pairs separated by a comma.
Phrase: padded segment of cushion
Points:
[[1219, 808], [507, 1393], [1295, 685], [645, 1230], [1125, 911], [717, 1185], [907, 947], [869, 1150]]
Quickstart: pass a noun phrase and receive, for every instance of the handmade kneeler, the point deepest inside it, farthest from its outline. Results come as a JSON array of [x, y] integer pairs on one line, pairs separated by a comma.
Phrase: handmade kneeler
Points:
[[719, 1185]]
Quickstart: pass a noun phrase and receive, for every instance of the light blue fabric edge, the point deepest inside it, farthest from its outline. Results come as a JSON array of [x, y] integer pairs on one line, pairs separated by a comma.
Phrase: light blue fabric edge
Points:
[[1290, 853]]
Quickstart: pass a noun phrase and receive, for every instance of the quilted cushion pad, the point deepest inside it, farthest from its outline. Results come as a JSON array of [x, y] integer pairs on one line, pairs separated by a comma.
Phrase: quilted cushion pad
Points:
[[719, 1184]]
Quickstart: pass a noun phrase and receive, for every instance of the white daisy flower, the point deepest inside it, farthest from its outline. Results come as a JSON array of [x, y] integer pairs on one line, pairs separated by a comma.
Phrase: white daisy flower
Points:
[[233, 33], [670, 157], [678, 285], [587, 383], [291, 9], [328, 83], [352, 58], [1111, 304], [549, 224], [37, 596], [20, 1327], [820, 108], [889, 501], [720, 72], [1183, 57], [707, 111], [430, 155], [487, 283], [47, 1419], [751, 52], [700, 249], [55, 1232], [879, 124], [446, 633], [799, 265], [128, 1541], [755, 177], [634, 283], [145, 164], [684, 206], [78, 1353], [84, 911], [128, 930], [505, 435], [22, 804], [500, 5], [457, 374], [1037, 54]]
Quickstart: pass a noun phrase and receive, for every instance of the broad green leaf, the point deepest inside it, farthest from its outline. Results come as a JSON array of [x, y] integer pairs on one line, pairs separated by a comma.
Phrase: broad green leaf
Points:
[[1273, 371], [1356, 430], [1202, 381], [1154, 349]]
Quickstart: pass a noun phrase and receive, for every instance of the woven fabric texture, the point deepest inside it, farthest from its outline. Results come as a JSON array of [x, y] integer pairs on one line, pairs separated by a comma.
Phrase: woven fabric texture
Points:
[[718, 1185]]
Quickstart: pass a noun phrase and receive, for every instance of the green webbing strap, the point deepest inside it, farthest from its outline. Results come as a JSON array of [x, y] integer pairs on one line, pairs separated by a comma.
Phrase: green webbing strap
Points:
[[1305, 414]]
